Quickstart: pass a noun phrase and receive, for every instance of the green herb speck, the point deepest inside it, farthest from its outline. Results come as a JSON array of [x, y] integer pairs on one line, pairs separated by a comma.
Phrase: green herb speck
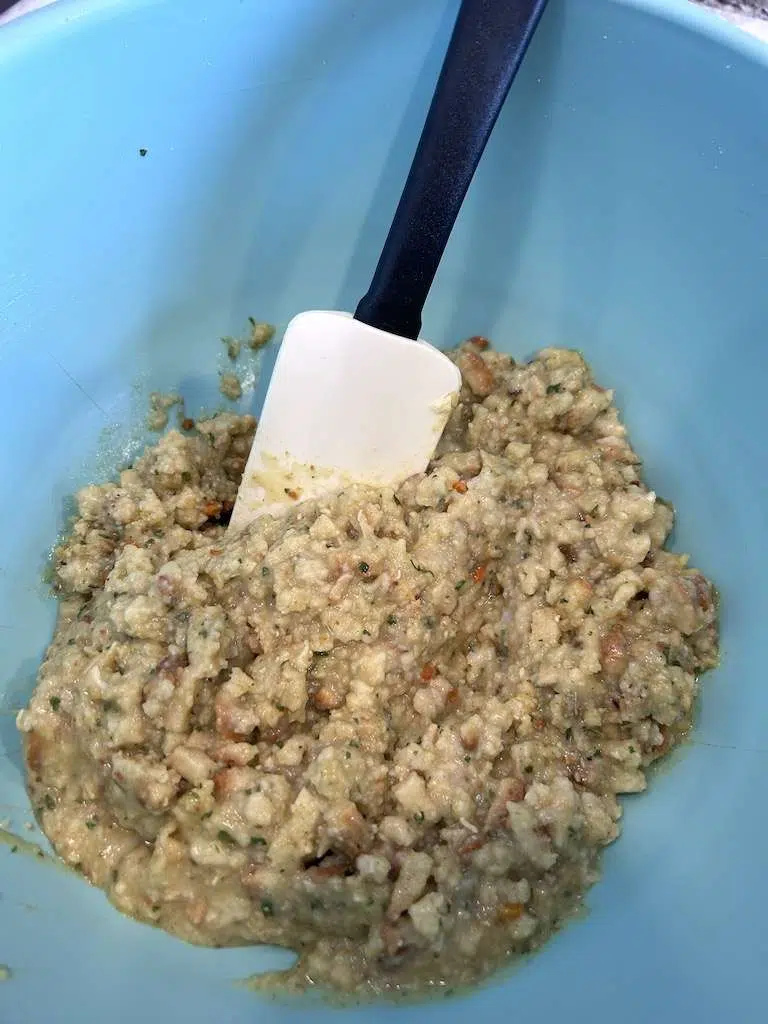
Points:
[[110, 705], [258, 841], [460, 584], [391, 620], [267, 908], [265, 570], [224, 836], [49, 802], [554, 389], [364, 567], [55, 703], [90, 824], [419, 817]]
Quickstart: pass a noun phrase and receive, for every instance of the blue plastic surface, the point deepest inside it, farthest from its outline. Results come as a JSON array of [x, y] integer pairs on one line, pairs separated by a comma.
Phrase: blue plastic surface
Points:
[[621, 207]]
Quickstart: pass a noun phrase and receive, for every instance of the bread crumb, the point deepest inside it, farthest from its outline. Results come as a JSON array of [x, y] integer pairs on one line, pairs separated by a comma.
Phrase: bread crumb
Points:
[[230, 386], [233, 346], [160, 405], [261, 333]]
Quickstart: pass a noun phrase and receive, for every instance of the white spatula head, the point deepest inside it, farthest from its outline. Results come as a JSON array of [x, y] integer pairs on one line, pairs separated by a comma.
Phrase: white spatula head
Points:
[[346, 403]]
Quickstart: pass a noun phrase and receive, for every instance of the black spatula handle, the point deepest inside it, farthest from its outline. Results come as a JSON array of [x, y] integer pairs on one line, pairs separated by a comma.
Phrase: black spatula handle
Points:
[[488, 43]]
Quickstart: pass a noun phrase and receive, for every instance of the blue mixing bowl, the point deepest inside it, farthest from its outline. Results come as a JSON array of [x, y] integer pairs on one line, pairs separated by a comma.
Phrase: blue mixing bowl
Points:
[[167, 168]]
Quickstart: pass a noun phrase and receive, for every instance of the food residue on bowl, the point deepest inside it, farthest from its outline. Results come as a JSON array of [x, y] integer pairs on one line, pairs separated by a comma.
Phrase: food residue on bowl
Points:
[[230, 386]]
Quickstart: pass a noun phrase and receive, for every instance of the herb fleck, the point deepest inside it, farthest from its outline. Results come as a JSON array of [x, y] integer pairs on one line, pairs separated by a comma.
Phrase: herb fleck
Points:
[[55, 703], [364, 567], [554, 389], [419, 817], [258, 841], [90, 824], [267, 908], [420, 568], [461, 584]]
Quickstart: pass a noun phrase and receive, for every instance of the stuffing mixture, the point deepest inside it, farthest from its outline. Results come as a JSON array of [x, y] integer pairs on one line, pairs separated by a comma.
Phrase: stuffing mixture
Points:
[[389, 729]]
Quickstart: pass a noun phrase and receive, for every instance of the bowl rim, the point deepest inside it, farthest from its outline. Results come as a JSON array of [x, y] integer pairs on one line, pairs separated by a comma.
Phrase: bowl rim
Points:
[[42, 25]]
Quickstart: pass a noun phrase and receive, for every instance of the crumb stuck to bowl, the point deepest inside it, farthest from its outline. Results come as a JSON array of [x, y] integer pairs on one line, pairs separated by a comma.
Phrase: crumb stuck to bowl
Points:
[[388, 729], [230, 386], [261, 333], [160, 405]]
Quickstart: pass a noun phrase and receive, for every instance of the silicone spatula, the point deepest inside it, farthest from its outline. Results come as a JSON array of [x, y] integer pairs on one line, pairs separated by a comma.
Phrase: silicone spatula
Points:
[[358, 398]]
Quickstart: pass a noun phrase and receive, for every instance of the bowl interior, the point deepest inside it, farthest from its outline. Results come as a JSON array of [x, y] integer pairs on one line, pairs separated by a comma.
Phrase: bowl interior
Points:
[[168, 169]]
